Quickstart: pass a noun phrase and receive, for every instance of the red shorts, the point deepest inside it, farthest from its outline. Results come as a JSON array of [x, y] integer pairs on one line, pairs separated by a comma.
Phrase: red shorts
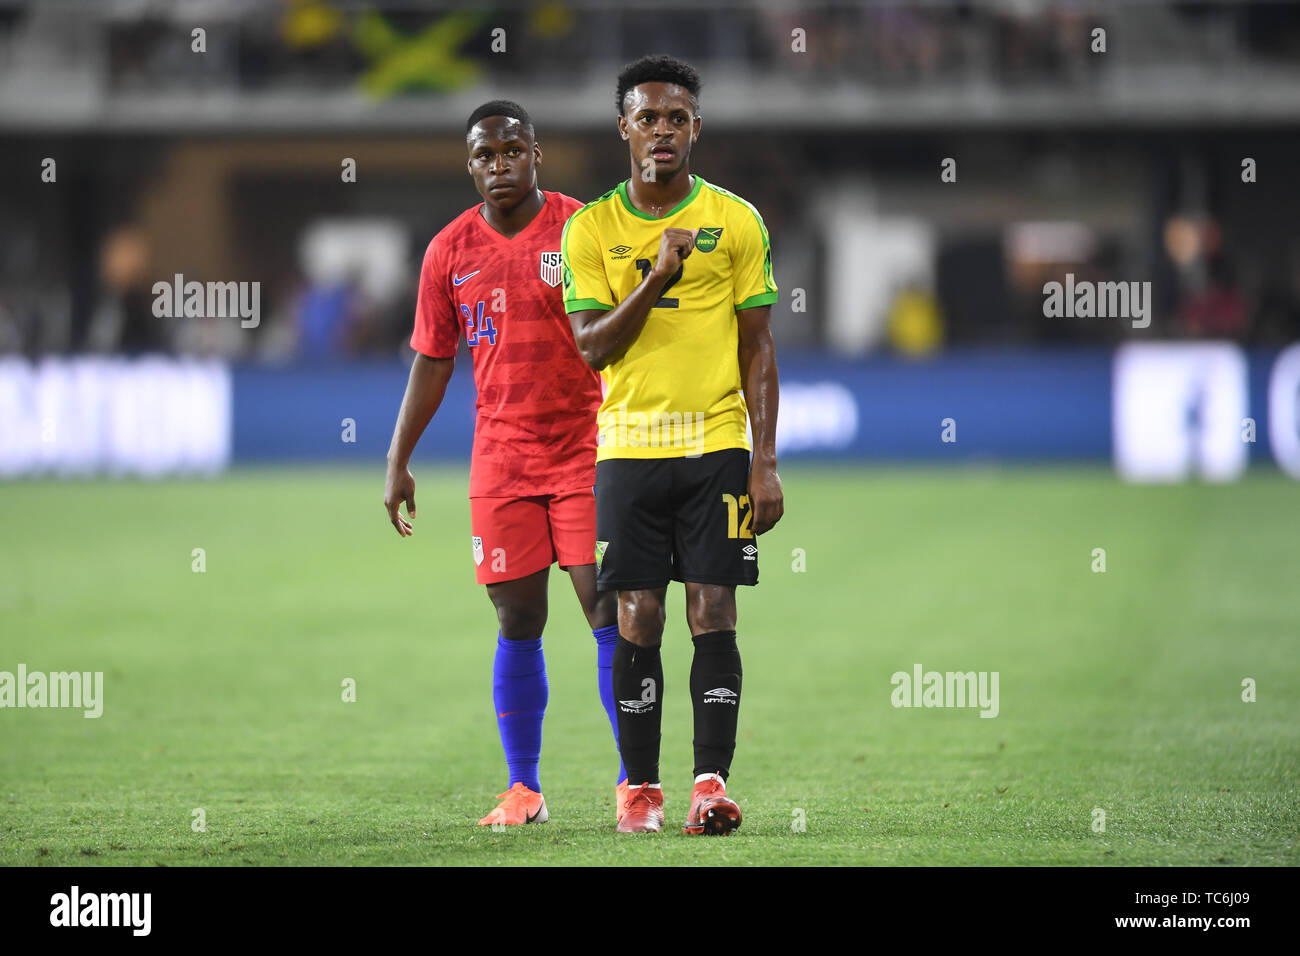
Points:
[[516, 537]]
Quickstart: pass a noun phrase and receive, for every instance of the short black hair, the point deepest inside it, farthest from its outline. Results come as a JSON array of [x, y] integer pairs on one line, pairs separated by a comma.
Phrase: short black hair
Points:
[[658, 69], [500, 108]]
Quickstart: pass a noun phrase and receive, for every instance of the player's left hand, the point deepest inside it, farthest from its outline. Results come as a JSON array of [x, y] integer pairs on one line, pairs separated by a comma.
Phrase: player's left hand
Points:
[[766, 501]]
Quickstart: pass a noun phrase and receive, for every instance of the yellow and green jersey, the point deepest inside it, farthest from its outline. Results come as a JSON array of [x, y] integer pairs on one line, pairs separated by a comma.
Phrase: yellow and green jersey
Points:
[[677, 389]]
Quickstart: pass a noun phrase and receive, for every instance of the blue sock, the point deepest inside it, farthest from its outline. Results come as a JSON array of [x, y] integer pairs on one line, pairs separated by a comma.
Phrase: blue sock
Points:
[[520, 691], [606, 642]]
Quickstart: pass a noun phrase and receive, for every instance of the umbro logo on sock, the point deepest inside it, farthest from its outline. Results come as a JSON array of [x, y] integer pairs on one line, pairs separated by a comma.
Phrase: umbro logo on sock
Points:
[[635, 706], [721, 695]]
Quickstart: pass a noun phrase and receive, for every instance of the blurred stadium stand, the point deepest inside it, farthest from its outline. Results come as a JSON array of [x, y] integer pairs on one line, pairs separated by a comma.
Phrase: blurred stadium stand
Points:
[[219, 164], [832, 118]]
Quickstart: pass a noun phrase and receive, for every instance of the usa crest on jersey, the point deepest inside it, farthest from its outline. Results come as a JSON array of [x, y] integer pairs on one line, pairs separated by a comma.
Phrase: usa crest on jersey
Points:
[[551, 268]]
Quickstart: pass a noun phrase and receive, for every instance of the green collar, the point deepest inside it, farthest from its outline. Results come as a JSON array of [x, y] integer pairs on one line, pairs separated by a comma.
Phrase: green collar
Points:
[[627, 201]]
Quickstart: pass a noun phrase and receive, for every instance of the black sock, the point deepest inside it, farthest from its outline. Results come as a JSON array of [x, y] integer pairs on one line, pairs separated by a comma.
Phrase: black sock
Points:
[[638, 692], [715, 695]]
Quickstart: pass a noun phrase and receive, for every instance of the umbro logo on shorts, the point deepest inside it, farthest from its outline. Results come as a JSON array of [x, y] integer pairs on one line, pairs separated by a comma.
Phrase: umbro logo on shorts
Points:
[[720, 695], [750, 552]]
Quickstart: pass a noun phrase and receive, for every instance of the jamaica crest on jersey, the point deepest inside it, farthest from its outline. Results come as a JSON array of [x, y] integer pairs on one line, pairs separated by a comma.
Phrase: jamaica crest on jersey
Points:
[[551, 268]]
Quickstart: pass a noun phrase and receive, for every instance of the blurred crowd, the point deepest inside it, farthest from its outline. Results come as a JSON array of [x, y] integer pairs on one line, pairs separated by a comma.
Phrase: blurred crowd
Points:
[[298, 319], [78, 270], [323, 318], [395, 47]]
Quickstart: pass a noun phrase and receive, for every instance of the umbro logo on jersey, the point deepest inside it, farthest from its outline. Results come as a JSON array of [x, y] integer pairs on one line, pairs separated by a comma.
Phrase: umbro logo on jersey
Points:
[[620, 251], [721, 695], [457, 280], [551, 268]]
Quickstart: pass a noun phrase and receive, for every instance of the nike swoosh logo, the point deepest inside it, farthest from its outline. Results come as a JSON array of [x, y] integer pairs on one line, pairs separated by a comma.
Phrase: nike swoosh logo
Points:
[[507, 714], [457, 280], [529, 818]]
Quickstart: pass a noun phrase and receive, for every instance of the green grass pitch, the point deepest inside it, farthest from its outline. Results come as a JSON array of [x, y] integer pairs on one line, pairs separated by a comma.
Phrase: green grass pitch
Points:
[[223, 690]]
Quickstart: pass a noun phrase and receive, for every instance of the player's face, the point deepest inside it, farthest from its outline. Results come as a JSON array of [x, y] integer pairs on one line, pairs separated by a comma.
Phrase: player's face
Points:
[[660, 125], [503, 159]]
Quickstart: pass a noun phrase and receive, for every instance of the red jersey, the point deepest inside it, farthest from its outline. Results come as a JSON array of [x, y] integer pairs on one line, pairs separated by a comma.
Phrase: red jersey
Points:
[[535, 427]]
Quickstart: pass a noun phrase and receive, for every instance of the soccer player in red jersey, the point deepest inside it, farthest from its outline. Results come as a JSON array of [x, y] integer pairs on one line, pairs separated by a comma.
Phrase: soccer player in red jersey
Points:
[[493, 276]]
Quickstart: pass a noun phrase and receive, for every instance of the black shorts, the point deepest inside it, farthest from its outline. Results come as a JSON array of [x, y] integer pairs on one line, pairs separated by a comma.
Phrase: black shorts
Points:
[[674, 519]]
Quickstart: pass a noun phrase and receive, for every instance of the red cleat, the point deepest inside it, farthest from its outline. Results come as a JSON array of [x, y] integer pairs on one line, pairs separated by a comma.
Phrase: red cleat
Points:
[[644, 812], [620, 801], [518, 806], [713, 813]]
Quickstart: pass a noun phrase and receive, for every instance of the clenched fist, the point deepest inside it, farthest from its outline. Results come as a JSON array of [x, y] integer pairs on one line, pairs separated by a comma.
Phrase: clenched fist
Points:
[[674, 246]]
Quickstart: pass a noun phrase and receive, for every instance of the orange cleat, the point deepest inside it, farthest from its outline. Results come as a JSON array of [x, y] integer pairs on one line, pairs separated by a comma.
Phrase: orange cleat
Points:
[[620, 800], [518, 806], [713, 813], [644, 812]]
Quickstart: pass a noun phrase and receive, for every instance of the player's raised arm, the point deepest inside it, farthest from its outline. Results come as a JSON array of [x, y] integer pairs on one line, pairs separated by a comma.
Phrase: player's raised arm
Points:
[[758, 377], [603, 336], [424, 392]]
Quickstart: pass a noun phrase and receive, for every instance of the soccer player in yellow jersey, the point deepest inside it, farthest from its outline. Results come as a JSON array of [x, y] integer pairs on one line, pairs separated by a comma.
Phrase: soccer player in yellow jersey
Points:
[[668, 284]]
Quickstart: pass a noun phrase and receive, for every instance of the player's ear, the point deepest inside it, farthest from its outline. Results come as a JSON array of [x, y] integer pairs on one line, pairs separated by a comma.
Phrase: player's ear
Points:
[[622, 126], [695, 128], [537, 154]]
